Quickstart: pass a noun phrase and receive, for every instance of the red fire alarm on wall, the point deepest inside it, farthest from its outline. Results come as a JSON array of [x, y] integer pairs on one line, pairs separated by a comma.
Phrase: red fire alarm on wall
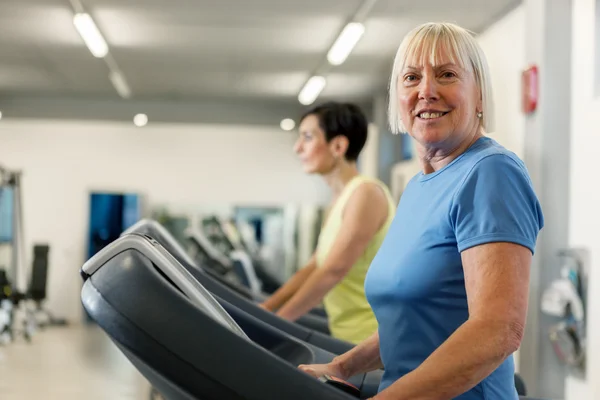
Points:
[[530, 89]]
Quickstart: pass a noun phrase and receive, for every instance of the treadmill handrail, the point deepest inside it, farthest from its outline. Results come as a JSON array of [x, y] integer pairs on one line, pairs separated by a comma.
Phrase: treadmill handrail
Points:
[[168, 265], [147, 225], [207, 246], [243, 258], [220, 224]]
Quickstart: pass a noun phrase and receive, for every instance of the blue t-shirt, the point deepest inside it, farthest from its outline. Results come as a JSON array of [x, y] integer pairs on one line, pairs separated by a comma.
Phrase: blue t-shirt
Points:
[[416, 284]]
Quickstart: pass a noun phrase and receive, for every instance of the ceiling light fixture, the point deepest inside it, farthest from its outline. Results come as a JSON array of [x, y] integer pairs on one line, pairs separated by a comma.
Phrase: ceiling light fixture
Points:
[[311, 90], [287, 124], [120, 84], [140, 120], [345, 43], [0, 114], [90, 34]]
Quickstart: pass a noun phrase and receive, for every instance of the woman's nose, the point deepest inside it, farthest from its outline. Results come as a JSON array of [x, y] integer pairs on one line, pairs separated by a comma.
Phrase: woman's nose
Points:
[[428, 88], [298, 146]]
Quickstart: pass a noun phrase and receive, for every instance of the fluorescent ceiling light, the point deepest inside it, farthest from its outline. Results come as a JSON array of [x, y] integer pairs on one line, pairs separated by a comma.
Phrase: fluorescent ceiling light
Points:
[[287, 124], [90, 34], [344, 44], [120, 84], [311, 90]]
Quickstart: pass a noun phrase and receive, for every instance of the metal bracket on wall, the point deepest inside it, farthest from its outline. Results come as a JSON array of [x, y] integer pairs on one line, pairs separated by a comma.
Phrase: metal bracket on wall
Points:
[[569, 337]]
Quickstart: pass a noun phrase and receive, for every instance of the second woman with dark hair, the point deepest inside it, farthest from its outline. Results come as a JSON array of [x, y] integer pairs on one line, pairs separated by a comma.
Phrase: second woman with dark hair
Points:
[[331, 137]]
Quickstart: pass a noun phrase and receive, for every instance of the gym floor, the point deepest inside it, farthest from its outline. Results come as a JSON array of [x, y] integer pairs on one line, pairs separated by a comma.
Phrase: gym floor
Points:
[[72, 363]]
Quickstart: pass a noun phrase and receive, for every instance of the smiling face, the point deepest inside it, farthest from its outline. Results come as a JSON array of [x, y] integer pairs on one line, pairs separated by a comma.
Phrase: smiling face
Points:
[[440, 88], [438, 100]]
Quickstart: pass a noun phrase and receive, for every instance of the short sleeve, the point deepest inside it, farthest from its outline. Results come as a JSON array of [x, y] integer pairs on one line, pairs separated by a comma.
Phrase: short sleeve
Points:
[[496, 203]]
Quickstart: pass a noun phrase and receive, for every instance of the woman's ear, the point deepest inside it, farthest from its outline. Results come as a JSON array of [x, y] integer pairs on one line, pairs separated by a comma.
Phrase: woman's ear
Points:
[[339, 146]]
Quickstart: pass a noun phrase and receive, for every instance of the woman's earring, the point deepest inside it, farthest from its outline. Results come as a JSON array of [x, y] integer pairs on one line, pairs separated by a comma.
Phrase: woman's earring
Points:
[[479, 114]]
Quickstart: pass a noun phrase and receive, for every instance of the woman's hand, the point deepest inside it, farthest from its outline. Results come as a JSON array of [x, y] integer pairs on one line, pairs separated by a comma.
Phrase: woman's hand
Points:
[[317, 370], [288, 289]]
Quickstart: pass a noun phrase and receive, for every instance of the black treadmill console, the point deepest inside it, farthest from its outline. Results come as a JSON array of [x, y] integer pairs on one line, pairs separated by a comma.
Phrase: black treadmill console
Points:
[[341, 385]]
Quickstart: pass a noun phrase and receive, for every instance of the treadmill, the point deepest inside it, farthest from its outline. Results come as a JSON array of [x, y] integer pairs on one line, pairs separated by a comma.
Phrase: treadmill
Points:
[[187, 345], [307, 328], [221, 272], [226, 236], [223, 238], [315, 319], [234, 263], [206, 254], [228, 298]]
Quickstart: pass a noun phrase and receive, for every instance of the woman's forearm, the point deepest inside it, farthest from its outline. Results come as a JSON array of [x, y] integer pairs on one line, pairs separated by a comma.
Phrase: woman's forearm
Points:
[[362, 358], [286, 291], [310, 294], [474, 351]]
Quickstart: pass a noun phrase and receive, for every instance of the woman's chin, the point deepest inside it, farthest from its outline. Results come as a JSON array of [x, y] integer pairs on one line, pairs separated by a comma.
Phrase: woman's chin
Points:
[[431, 137], [309, 169]]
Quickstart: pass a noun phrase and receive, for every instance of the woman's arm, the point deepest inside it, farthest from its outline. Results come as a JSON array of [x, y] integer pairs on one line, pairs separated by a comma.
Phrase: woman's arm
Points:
[[497, 281], [362, 358], [364, 214], [288, 289]]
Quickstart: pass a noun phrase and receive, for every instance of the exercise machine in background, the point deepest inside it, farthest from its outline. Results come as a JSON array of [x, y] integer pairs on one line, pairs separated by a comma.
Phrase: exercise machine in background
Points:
[[13, 294], [38, 283], [226, 236], [22, 290], [11, 225]]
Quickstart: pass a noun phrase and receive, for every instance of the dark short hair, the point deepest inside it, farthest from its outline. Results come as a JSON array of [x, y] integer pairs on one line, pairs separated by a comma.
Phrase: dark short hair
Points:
[[345, 119]]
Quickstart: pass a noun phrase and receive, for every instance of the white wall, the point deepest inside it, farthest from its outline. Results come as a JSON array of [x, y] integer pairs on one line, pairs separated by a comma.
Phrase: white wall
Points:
[[174, 164], [584, 190], [369, 156], [504, 48]]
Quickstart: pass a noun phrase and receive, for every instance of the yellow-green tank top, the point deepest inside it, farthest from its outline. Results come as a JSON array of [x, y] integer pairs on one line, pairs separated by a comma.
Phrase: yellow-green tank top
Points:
[[350, 316]]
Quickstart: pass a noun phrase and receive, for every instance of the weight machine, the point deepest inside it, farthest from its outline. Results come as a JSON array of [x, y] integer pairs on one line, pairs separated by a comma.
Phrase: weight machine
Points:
[[12, 180], [19, 292], [11, 295]]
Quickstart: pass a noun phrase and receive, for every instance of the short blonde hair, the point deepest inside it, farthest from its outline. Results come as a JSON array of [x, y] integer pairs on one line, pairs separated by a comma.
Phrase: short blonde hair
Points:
[[424, 41]]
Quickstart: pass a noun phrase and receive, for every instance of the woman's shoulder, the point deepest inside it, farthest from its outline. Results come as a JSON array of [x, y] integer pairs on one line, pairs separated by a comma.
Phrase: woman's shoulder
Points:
[[365, 182], [372, 188], [495, 172], [369, 198], [492, 156]]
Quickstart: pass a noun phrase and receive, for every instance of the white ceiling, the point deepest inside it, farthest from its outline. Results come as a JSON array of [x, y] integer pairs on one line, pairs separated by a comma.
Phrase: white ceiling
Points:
[[255, 50]]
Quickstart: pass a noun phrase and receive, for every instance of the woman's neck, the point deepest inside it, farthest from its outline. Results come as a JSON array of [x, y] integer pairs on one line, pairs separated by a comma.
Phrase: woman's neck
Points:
[[340, 175], [433, 159]]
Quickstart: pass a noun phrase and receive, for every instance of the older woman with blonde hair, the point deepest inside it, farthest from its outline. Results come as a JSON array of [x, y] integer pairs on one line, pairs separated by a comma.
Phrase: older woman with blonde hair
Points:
[[449, 285]]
